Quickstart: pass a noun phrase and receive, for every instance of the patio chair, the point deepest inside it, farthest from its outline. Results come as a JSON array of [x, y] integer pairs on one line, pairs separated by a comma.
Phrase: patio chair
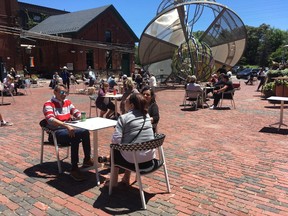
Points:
[[135, 147], [46, 129], [193, 97], [228, 95], [93, 99]]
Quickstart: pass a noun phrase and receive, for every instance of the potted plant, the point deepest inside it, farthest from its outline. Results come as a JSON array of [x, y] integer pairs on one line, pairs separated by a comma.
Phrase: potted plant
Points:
[[269, 89]]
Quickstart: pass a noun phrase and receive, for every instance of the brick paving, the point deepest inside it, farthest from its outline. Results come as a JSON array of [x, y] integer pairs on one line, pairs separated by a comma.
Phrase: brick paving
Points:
[[220, 162]]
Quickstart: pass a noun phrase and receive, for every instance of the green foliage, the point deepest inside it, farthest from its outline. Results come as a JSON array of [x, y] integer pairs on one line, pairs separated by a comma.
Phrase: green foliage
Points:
[[265, 45], [269, 86]]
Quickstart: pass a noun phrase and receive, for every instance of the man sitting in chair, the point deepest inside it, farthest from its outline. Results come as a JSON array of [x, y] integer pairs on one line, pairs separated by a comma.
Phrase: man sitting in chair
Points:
[[226, 85], [59, 110]]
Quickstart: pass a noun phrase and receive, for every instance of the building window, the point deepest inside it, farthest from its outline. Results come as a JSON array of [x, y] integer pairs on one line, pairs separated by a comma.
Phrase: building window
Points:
[[108, 36]]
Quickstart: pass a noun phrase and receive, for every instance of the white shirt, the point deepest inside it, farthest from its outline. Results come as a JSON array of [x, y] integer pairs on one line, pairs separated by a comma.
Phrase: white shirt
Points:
[[152, 81]]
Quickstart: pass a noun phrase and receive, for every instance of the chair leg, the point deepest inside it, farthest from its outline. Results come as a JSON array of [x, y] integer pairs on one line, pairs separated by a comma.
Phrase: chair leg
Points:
[[90, 108], [112, 172], [42, 146], [138, 176], [57, 153], [165, 169], [96, 110]]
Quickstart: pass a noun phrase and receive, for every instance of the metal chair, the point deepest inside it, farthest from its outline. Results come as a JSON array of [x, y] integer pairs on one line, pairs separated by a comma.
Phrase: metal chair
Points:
[[135, 147], [193, 97], [45, 129], [93, 99], [228, 95]]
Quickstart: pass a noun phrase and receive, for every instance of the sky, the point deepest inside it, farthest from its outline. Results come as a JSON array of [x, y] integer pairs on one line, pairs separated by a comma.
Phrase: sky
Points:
[[138, 13]]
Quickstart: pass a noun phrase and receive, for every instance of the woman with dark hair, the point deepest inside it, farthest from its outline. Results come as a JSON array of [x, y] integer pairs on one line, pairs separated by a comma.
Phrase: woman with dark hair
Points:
[[153, 109], [133, 127], [104, 103]]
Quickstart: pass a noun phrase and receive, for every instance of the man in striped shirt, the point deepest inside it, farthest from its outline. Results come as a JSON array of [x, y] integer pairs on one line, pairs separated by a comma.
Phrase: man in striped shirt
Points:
[[57, 111]]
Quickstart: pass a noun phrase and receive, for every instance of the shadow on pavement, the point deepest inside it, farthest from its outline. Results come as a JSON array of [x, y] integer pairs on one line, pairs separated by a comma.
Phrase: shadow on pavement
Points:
[[63, 182], [274, 130], [123, 200]]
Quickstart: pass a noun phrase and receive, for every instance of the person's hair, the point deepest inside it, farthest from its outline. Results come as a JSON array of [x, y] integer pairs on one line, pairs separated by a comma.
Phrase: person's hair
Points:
[[57, 87], [104, 84], [153, 96], [129, 84], [139, 102]]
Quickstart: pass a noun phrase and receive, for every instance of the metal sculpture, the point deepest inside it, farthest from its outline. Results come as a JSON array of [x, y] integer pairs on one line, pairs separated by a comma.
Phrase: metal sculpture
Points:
[[192, 37]]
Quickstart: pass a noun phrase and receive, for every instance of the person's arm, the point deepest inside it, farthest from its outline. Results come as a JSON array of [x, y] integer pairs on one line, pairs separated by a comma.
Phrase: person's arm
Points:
[[154, 113], [222, 89], [52, 119], [118, 133]]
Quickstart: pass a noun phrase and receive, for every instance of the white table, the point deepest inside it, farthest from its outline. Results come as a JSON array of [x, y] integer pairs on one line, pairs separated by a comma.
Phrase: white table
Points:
[[116, 96], [282, 99], [94, 124]]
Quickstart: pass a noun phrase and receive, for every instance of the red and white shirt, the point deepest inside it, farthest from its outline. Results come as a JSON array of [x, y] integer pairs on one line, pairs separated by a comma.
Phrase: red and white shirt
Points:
[[60, 110]]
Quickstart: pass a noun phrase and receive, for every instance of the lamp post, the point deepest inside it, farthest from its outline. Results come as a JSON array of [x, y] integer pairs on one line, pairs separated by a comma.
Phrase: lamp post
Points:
[[108, 58]]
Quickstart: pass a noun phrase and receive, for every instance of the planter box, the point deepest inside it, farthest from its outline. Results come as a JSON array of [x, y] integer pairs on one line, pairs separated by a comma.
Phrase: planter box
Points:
[[281, 91]]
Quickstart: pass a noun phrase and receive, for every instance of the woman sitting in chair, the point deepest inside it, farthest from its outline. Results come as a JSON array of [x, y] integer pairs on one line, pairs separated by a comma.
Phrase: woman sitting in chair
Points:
[[153, 108], [133, 127], [103, 103]]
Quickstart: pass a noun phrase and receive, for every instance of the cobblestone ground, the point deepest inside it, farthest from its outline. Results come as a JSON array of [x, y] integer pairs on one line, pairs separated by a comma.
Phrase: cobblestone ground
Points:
[[220, 162]]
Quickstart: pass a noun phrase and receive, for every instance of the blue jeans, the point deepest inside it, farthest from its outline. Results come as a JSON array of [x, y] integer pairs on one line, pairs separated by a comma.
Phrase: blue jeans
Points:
[[81, 135]]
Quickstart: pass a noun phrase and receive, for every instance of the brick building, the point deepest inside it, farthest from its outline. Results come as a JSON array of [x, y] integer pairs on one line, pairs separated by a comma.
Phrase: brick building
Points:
[[97, 37]]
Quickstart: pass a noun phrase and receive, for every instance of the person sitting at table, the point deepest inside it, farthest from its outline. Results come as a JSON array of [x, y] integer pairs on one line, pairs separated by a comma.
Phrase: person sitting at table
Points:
[[57, 111], [112, 83], [192, 85], [153, 109], [104, 103], [133, 127], [129, 88], [226, 85]]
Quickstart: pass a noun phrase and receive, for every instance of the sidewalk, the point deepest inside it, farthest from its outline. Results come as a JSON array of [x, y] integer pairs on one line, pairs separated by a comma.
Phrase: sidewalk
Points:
[[220, 162]]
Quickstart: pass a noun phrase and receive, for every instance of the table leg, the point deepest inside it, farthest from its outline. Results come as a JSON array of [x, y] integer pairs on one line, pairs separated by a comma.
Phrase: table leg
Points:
[[115, 108], [281, 117], [95, 141]]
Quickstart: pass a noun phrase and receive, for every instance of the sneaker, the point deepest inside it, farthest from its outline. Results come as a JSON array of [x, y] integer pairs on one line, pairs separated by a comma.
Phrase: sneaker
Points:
[[77, 175], [88, 163], [6, 124], [212, 107]]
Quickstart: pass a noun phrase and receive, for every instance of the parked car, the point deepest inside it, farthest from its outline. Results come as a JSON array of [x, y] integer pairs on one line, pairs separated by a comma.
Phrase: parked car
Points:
[[246, 73], [235, 69]]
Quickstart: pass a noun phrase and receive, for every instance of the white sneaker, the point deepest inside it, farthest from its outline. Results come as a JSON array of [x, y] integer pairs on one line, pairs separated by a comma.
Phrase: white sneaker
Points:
[[211, 107]]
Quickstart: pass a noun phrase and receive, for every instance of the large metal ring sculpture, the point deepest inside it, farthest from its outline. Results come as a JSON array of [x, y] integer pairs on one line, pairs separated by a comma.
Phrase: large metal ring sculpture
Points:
[[192, 37]]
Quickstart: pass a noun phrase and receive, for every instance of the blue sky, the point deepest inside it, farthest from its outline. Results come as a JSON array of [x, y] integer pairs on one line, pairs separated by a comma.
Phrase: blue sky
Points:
[[138, 13]]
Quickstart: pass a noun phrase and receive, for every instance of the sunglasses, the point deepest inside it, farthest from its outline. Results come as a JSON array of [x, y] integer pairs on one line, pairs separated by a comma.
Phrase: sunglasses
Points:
[[62, 92]]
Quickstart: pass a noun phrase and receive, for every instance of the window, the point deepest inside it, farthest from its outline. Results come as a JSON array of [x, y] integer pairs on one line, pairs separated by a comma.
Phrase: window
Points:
[[108, 37]]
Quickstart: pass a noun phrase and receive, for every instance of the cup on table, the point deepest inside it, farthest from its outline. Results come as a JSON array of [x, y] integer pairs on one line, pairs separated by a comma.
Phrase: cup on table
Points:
[[83, 116]]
